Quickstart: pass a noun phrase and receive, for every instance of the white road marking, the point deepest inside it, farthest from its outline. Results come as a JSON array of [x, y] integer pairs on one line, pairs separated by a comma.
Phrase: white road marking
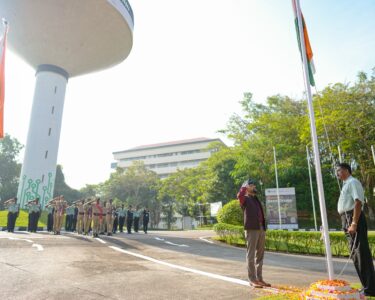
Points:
[[203, 238], [39, 247], [100, 240], [16, 239], [178, 245], [170, 243], [207, 274]]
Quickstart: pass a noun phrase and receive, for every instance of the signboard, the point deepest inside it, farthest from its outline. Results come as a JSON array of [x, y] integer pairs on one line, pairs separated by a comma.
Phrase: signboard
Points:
[[288, 208], [215, 207]]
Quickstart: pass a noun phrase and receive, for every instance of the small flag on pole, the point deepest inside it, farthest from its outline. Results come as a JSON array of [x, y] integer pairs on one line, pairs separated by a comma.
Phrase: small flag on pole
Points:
[[3, 37], [309, 53]]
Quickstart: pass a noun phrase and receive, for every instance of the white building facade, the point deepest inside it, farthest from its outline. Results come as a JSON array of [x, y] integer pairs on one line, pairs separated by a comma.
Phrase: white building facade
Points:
[[166, 158]]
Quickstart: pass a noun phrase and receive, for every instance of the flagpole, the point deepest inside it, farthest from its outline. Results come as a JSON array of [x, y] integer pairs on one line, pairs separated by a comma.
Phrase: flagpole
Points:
[[277, 186], [373, 153], [314, 137], [340, 157], [311, 187]]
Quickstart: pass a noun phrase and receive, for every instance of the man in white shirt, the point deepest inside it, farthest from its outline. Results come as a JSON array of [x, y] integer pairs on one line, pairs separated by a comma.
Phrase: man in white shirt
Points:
[[354, 224]]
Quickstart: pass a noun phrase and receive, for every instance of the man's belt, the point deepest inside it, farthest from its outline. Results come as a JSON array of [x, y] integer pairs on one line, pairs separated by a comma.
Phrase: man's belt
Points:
[[95, 214], [81, 213], [109, 213], [349, 212]]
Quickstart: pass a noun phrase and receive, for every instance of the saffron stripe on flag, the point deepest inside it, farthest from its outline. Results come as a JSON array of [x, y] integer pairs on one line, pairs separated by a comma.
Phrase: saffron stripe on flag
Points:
[[309, 53]]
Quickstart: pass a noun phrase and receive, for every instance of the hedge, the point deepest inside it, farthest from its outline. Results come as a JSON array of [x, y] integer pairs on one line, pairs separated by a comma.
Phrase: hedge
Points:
[[303, 242]]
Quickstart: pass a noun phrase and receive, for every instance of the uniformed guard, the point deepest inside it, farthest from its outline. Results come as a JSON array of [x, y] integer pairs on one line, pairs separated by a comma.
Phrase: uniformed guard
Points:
[[102, 220], [136, 215], [129, 219], [69, 218], [80, 217], [97, 212], [59, 214], [121, 217], [109, 217], [51, 211], [87, 215], [75, 216], [30, 209], [115, 220], [13, 211], [71, 214], [38, 212], [145, 219]]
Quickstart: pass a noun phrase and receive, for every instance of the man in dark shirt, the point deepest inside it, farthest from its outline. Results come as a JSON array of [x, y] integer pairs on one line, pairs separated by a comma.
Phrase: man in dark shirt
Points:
[[129, 219], [146, 219], [255, 232]]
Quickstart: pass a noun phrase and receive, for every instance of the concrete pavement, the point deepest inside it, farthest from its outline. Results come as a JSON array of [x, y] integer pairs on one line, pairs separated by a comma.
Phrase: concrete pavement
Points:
[[159, 265]]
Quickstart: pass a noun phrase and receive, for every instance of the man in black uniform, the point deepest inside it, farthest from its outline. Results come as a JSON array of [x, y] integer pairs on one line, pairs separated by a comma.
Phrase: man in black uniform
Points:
[[129, 219], [146, 219]]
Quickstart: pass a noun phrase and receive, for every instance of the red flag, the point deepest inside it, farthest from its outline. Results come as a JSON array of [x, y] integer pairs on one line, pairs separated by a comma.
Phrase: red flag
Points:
[[3, 39]]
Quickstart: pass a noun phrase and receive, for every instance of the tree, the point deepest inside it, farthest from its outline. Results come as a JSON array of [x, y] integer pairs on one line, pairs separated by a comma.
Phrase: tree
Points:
[[221, 185], [61, 188], [347, 112], [136, 186], [9, 167]]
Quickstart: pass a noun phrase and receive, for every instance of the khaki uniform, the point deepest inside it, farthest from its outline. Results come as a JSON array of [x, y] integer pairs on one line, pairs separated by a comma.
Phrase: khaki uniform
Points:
[[58, 216], [109, 217], [102, 220], [96, 216], [87, 216], [80, 219]]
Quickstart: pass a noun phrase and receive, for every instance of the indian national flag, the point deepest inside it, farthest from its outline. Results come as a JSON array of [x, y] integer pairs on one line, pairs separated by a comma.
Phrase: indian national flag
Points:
[[309, 53], [3, 37]]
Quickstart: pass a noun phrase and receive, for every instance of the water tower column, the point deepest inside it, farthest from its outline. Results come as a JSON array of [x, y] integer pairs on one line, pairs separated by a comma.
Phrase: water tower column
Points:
[[39, 166]]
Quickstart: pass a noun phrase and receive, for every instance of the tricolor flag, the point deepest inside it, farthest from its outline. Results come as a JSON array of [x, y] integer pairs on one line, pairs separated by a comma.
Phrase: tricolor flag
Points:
[[309, 53], [3, 38]]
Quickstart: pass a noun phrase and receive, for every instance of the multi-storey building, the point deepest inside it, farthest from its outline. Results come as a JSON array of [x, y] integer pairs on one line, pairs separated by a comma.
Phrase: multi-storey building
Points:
[[167, 158]]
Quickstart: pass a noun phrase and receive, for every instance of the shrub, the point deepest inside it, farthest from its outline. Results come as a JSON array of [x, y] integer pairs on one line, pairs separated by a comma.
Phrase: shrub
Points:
[[231, 213], [302, 242]]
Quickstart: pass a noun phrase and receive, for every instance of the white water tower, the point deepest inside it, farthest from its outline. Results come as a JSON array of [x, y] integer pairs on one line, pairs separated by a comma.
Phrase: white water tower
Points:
[[61, 39]]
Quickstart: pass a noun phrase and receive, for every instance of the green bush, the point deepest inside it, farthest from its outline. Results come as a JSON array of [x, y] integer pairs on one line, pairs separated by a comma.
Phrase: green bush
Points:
[[302, 242], [231, 213]]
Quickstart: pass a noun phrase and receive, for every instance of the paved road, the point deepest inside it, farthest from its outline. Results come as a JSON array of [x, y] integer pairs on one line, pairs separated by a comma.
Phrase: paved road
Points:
[[160, 265]]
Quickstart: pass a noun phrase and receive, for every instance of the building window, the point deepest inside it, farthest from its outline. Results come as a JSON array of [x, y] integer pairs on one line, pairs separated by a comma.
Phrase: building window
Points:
[[49, 132], [52, 110], [46, 155]]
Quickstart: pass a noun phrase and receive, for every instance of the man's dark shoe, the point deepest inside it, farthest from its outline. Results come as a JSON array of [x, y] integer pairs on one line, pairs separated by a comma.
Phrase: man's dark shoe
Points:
[[255, 284], [263, 283]]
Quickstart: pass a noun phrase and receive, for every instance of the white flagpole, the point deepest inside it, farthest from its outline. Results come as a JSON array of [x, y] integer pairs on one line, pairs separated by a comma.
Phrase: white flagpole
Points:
[[277, 186], [311, 188], [340, 157], [314, 137], [373, 153]]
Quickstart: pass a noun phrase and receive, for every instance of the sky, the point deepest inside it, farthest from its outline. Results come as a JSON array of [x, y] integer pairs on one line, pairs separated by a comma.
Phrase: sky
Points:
[[190, 64]]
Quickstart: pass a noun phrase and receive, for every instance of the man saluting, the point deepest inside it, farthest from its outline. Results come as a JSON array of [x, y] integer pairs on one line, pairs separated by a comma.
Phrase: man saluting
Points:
[[255, 232]]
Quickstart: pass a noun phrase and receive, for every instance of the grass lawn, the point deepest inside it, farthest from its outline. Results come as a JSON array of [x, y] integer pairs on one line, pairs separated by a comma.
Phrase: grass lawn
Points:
[[22, 219]]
